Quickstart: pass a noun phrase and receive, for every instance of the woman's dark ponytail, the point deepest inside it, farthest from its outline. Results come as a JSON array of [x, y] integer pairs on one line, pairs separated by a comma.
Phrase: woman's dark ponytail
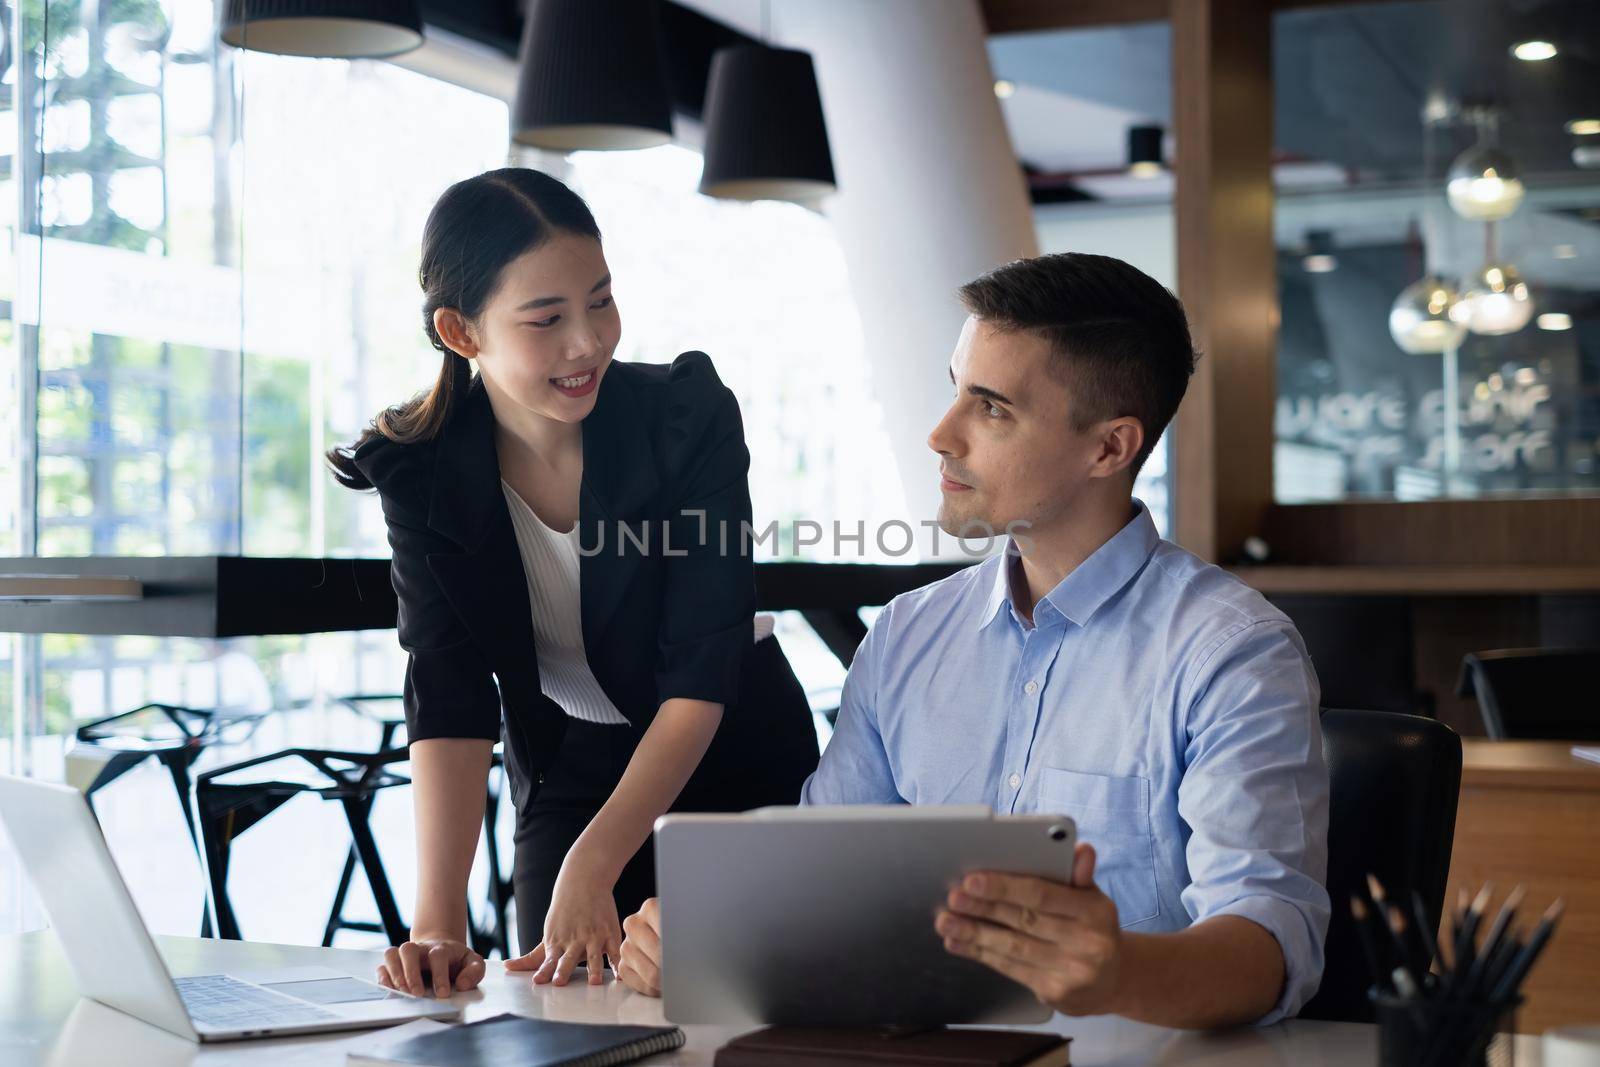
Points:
[[477, 227]]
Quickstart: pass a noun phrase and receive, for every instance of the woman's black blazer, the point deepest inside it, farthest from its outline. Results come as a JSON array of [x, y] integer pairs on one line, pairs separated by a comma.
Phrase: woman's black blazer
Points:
[[659, 620]]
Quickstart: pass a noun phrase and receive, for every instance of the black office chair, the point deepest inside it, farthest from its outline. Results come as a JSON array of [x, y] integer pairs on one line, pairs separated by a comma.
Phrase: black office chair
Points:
[[1394, 781], [1534, 693]]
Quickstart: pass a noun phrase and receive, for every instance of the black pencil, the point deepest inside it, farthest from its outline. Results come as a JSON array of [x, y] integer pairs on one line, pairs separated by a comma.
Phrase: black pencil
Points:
[[1512, 975], [1478, 977], [1466, 936], [1369, 943], [1430, 942], [1387, 918]]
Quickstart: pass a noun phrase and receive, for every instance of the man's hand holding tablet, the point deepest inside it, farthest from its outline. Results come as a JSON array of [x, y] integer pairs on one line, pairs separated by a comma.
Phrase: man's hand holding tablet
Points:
[[1063, 942]]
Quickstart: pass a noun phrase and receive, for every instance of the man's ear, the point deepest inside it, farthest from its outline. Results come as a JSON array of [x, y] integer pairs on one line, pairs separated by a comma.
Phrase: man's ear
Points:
[[1120, 442], [456, 332]]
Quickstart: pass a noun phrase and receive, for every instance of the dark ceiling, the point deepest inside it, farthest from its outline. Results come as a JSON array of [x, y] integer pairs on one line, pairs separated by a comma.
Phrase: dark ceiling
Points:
[[1351, 80], [688, 39]]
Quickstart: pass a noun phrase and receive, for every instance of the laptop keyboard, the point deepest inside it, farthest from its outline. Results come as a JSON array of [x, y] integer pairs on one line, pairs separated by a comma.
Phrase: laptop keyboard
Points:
[[217, 1000]]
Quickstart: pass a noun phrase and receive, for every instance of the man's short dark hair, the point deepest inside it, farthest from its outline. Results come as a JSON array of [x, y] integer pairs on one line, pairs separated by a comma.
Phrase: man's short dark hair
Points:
[[1118, 339]]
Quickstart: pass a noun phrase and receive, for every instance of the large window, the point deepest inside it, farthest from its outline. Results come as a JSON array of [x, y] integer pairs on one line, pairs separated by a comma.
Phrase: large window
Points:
[[205, 293], [762, 288], [218, 295], [214, 280]]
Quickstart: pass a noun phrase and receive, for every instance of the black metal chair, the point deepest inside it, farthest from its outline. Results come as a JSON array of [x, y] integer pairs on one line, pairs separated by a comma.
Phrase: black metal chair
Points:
[[170, 733], [387, 710], [225, 810], [1535, 693], [1394, 781], [490, 930]]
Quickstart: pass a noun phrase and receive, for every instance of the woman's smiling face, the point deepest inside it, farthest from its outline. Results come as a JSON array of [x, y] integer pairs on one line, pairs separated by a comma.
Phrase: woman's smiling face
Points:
[[548, 333]]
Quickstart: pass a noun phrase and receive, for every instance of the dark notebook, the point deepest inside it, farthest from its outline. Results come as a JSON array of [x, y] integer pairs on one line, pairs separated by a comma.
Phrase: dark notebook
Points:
[[829, 1046], [518, 1041]]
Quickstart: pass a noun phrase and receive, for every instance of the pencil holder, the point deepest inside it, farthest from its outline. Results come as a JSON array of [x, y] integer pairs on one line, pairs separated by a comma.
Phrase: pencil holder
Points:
[[1423, 1032]]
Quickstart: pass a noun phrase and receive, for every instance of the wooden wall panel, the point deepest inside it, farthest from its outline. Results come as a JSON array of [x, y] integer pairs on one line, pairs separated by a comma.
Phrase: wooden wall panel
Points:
[[1227, 270], [1545, 532]]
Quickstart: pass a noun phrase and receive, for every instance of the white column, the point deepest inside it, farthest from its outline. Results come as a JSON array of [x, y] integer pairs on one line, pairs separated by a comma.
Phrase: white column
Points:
[[930, 193]]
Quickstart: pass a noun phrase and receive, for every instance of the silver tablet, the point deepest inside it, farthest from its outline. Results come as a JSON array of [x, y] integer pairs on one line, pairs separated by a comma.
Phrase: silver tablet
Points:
[[824, 916]]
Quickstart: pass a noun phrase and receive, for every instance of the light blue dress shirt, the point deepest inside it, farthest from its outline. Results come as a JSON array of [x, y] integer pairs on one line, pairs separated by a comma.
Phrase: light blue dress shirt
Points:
[[1156, 699]]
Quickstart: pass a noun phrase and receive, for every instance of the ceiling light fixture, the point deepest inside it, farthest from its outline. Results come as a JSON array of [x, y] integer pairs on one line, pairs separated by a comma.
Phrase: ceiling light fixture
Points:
[[1144, 151], [591, 77], [1497, 301], [1421, 322], [766, 138], [329, 29], [1320, 258], [1533, 51], [1484, 183]]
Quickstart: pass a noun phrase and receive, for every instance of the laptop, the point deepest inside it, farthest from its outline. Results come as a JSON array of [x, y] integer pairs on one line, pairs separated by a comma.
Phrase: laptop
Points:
[[115, 961], [823, 916]]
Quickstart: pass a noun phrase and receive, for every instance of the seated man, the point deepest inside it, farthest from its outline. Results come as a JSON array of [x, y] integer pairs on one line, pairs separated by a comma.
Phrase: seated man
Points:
[[1095, 670]]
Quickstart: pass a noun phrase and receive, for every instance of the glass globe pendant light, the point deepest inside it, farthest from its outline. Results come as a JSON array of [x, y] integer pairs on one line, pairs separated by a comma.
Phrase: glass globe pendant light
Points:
[[1422, 320], [1484, 183], [1497, 301]]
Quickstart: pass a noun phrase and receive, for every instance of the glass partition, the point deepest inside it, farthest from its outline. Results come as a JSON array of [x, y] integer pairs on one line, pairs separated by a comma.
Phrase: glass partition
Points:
[[1438, 232], [1090, 114]]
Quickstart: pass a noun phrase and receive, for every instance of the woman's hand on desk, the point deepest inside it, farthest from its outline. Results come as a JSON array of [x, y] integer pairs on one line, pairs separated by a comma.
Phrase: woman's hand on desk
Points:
[[580, 927], [429, 964], [640, 966]]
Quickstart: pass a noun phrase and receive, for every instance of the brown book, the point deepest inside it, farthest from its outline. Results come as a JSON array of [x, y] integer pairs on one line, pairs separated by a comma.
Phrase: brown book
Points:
[[863, 1046]]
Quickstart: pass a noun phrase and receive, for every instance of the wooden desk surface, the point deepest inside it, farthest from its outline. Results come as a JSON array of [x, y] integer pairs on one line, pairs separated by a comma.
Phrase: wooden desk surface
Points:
[[43, 1021], [1527, 765], [1530, 815]]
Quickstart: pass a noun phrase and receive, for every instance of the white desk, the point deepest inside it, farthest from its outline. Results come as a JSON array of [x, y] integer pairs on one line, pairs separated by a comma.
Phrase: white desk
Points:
[[44, 1022]]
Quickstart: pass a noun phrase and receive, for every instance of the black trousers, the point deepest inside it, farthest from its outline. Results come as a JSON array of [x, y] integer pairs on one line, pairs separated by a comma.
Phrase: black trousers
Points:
[[764, 749], [577, 783]]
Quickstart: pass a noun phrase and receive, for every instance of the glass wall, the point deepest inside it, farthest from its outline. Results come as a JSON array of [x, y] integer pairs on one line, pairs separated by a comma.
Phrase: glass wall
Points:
[[1438, 251], [201, 293], [1072, 100], [221, 297], [693, 272]]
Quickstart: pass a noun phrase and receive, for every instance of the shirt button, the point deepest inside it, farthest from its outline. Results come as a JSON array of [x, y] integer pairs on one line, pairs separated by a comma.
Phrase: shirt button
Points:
[[1031, 688], [1015, 780]]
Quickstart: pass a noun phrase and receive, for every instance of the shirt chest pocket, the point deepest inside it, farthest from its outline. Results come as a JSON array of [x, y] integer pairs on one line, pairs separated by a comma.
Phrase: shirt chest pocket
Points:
[[1112, 813]]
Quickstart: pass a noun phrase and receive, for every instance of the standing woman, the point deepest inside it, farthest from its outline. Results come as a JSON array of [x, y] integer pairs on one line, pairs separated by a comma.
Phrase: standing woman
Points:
[[570, 528]]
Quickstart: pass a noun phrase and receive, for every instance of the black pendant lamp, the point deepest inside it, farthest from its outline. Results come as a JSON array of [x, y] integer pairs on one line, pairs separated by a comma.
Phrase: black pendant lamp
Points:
[[1144, 151], [765, 138], [333, 29], [592, 77]]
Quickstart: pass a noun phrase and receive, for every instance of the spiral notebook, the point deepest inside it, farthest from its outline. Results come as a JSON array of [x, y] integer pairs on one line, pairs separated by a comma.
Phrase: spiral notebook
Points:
[[518, 1041]]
